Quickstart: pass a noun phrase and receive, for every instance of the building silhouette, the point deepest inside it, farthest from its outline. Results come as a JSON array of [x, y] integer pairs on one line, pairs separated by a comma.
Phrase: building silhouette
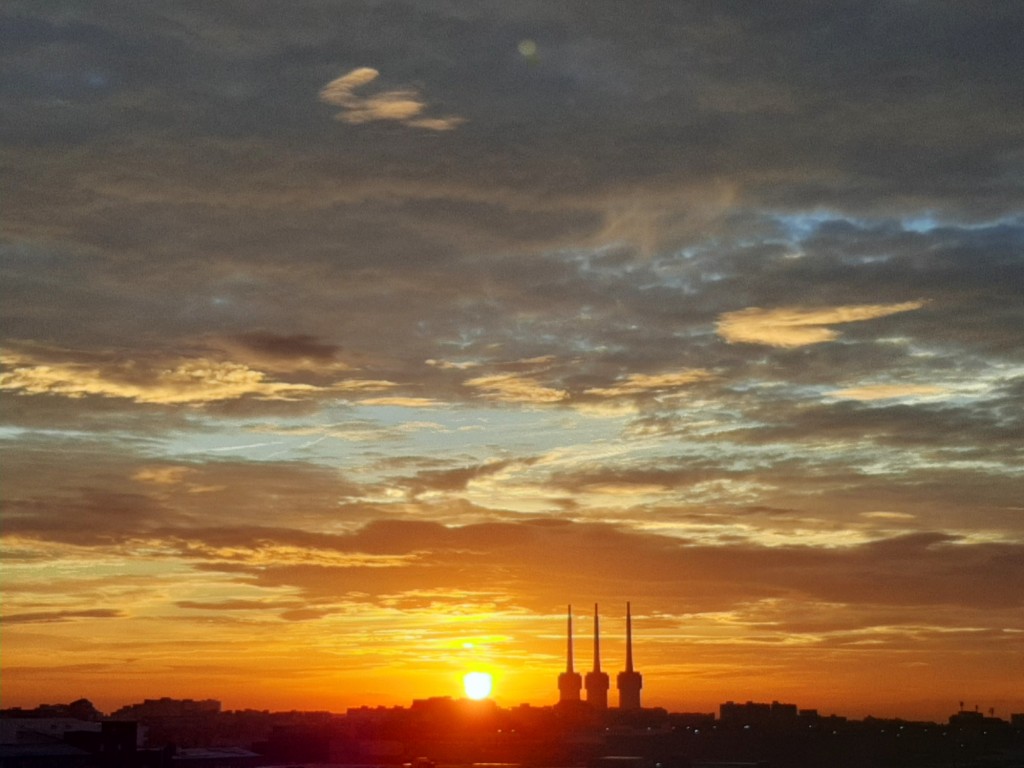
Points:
[[596, 681], [630, 681], [569, 682]]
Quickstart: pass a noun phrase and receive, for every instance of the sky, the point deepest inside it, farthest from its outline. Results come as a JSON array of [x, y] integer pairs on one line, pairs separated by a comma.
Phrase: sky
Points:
[[345, 344]]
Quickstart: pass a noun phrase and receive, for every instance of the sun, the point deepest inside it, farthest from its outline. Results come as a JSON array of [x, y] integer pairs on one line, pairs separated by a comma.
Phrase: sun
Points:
[[477, 685]]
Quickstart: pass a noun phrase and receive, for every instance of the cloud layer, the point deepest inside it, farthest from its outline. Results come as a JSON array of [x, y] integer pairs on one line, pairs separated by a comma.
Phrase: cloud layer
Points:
[[325, 327]]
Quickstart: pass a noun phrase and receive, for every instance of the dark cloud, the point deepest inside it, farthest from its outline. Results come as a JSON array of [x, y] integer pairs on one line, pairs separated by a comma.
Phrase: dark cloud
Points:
[[537, 563], [52, 616], [295, 345], [233, 605]]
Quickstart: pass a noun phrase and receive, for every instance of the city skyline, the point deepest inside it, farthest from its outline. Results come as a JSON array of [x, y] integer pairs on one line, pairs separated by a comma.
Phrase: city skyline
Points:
[[345, 344]]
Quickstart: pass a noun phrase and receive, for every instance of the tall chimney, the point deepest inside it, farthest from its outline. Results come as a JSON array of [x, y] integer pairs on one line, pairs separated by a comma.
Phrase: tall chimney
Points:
[[629, 682], [596, 680], [569, 682]]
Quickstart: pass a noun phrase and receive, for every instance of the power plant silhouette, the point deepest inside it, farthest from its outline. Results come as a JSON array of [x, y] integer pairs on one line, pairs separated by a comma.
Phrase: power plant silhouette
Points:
[[629, 682]]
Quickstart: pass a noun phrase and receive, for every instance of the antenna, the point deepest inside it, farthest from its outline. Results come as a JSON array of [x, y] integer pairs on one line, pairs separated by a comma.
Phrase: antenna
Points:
[[597, 643]]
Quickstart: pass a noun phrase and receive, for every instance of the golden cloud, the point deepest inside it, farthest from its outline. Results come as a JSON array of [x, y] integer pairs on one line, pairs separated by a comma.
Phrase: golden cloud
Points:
[[162, 475], [798, 326], [882, 515], [641, 383], [193, 382], [508, 387], [364, 385], [886, 392], [402, 105], [403, 402]]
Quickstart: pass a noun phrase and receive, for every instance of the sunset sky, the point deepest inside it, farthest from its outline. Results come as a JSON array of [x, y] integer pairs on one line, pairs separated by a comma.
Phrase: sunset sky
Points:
[[346, 343]]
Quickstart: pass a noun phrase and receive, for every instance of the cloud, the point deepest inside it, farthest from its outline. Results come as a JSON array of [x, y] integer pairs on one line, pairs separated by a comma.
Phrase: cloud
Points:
[[550, 558], [281, 353], [162, 475], [195, 381], [790, 327], [512, 388], [237, 604], [643, 383], [887, 392], [364, 385], [191, 382], [884, 515], [48, 617], [404, 105], [399, 401]]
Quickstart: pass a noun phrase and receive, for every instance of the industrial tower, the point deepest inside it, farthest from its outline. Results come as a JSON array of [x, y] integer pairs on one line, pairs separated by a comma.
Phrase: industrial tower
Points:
[[596, 680], [629, 682], [569, 682]]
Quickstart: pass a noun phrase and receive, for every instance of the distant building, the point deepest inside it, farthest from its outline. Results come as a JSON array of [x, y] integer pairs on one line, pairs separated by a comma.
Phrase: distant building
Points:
[[754, 713], [751, 713], [164, 708], [783, 713], [56, 755], [630, 681], [41, 730], [69, 743]]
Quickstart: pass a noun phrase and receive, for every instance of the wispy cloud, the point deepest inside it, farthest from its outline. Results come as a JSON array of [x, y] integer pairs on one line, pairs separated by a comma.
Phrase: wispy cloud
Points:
[[401, 105], [799, 326], [887, 392], [191, 382], [511, 388], [47, 617], [162, 475], [404, 402], [644, 383]]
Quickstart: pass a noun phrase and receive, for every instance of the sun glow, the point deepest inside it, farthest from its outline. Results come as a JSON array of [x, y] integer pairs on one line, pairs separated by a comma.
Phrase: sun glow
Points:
[[477, 685]]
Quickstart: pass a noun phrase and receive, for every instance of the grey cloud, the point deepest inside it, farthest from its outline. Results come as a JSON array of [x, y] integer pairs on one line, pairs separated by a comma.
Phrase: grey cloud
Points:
[[539, 563], [101, 494], [233, 605], [288, 346], [33, 617]]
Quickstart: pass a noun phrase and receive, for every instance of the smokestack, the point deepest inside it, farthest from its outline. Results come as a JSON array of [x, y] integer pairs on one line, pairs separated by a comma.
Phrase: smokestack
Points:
[[596, 680], [630, 681], [629, 640], [569, 682], [568, 654]]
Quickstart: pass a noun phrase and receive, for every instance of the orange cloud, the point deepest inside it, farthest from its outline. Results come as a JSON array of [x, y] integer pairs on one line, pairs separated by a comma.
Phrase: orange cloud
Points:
[[191, 382], [402, 105], [641, 383], [403, 402], [510, 388], [796, 326], [886, 392], [158, 475]]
